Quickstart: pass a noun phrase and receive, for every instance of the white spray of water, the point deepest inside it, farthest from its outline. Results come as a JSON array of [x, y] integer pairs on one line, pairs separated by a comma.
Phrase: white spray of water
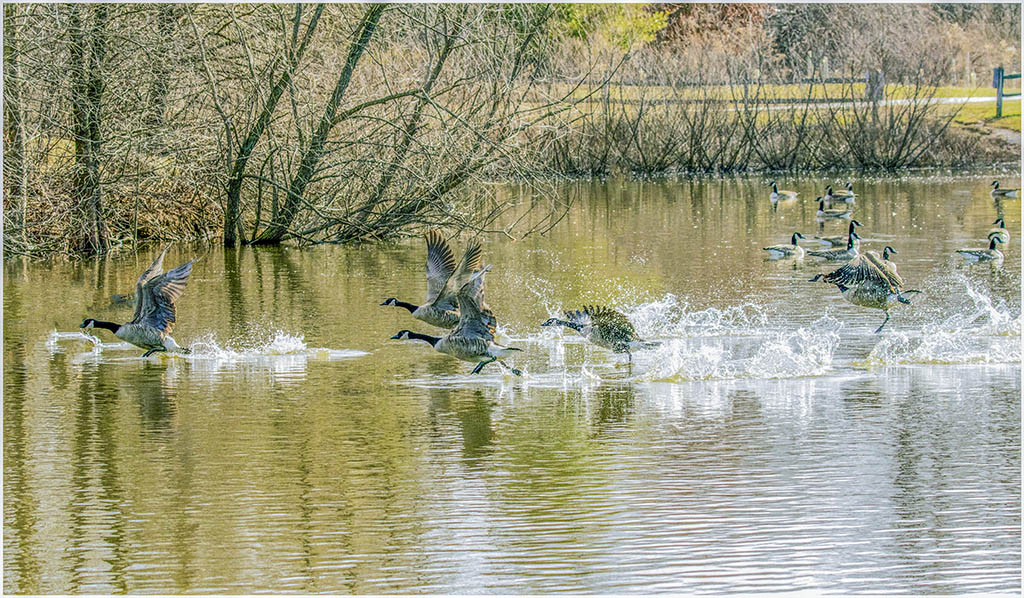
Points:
[[985, 332], [207, 348]]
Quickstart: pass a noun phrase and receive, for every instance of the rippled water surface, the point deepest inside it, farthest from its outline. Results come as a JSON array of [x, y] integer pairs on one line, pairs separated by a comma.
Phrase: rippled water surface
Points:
[[771, 442]]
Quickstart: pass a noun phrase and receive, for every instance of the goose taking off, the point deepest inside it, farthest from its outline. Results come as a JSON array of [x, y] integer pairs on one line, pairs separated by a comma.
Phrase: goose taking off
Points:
[[999, 228], [155, 294], [792, 250], [604, 327], [837, 254], [824, 212], [869, 281], [980, 255], [441, 306], [473, 337], [778, 195], [997, 192], [840, 240]]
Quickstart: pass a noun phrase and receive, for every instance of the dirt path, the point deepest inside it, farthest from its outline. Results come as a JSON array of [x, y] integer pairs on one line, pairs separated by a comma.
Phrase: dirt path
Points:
[[1011, 137]]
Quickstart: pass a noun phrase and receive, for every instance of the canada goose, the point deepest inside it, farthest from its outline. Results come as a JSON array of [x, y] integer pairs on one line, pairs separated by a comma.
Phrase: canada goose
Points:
[[441, 306], [604, 327], [473, 337], [846, 195], [999, 228], [979, 255], [869, 281], [792, 250], [829, 213], [777, 195], [840, 240], [997, 192], [155, 294], [839, 254]]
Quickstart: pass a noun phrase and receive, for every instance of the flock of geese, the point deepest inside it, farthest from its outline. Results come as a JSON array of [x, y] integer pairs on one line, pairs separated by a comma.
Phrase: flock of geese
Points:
[[455, 301], [455, 292], [868, 279]]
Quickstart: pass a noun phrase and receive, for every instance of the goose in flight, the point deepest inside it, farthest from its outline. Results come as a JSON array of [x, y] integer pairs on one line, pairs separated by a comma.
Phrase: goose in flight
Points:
[[155, 314], [472, 339], [441, 305]]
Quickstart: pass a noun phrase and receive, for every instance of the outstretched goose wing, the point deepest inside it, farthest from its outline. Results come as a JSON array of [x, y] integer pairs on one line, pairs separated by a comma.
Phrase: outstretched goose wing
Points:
[[858, 271], [440, 266], [887, 268], [154, 270], [160, 293], [611, 323], [474, 321]]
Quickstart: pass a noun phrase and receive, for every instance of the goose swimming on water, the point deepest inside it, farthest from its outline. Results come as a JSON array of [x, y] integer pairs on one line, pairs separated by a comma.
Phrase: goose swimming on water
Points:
[[155, 313], [441, 305], [604, 327], [824, 212], [792, 250], [846, 195], [473, 337], [840, 240], [782, 195], [869, 281], [980, 255], [1000, 193], [999, 228], [840, 254]]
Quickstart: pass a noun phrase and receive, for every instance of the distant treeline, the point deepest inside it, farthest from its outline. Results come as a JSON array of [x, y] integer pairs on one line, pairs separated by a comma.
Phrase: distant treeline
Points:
[[261, 123]]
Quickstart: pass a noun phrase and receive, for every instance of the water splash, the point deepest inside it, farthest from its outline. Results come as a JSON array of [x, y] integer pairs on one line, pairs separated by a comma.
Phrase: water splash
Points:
[[279, 344], [207, 348], [982, 330], [707, 344], [803, 352]]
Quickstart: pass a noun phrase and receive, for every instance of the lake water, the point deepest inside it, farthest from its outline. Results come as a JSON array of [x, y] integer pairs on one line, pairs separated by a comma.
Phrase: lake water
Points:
[[771, 442]]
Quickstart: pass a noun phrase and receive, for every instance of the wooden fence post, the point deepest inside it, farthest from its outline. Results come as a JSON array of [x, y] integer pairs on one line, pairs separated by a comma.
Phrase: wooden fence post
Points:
[[997, 82]]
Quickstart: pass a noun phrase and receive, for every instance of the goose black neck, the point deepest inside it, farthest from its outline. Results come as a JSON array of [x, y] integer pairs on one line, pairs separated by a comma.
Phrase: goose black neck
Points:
[[573, 325], [108, 325], [408, 306], [991, 246], [849, 242], [424, 337]]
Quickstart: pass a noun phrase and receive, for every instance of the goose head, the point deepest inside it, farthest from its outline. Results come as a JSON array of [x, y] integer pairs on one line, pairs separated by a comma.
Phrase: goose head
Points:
[[550, 322], [795, 237], [994, 185], [88, 323], [389, 301], [403, 335], [992, 240], [888, 250], [854, 223], [849, 186], [1000, 223]]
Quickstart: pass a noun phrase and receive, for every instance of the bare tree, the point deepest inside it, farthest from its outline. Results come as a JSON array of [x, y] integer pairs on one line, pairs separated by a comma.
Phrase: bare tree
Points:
[[88, 48]]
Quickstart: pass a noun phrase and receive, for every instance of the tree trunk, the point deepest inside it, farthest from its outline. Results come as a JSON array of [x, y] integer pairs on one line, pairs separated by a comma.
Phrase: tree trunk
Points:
[[167, 16], [311, 157], [86, 98], [14, 132], [232, 221]]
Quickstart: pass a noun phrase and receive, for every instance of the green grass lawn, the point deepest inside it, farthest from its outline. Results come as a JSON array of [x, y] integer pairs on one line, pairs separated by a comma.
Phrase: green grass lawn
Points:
[[986, 113]]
